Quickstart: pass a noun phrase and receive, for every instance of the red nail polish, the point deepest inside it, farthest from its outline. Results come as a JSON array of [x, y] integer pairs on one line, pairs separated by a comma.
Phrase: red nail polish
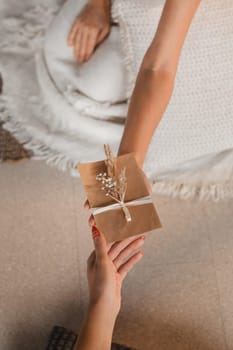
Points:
[[95, 232]]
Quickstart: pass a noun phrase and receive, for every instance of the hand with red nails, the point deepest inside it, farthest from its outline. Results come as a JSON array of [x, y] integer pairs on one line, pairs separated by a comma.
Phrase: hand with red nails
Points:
[[90, 28], [107, 267]]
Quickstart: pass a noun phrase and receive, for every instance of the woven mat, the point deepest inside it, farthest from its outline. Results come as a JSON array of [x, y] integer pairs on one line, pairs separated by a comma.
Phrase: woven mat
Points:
[[10, 148], [62, 338]]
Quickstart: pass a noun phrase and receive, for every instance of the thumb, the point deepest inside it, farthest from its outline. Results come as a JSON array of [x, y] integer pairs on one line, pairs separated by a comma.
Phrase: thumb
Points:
[[99, 243]]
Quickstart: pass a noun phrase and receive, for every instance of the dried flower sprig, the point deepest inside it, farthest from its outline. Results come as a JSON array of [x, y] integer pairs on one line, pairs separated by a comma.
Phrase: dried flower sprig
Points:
[[114, 186]]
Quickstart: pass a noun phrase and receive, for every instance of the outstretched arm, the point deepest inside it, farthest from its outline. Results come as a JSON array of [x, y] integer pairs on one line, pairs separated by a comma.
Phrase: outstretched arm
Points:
[[155, 80], [108, 265]]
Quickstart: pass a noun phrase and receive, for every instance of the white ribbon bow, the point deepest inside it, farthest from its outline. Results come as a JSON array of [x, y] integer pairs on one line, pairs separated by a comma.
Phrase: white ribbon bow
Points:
[[138, 201]]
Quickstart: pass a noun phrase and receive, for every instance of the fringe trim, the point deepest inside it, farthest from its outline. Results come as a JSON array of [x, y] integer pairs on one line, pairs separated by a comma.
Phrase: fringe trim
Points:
[[168, 188], [208, 192], [39, 149]]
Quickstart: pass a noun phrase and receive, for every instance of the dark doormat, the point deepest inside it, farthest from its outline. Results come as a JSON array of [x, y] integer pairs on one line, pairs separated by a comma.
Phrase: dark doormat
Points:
[[10, 149], [62, 338]]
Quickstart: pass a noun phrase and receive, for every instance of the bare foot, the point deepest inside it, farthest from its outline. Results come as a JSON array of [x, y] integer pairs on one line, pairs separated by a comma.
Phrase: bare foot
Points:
[[90, 28]]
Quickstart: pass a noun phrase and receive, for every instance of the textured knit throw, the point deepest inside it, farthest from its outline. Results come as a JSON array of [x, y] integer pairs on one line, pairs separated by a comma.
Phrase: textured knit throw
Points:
[[199, 118]]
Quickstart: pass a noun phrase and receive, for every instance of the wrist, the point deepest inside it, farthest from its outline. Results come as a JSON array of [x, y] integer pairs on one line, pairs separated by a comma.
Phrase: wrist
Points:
[[139, 157], [100, 3], [106, 312], [97, 329]]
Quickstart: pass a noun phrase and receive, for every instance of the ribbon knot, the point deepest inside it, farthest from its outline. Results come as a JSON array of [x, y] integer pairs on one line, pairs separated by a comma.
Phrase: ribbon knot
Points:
[[123, 205]]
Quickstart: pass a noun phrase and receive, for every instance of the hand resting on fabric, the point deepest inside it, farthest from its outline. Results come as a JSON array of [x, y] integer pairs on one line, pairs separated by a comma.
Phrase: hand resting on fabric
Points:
[[90, 28]]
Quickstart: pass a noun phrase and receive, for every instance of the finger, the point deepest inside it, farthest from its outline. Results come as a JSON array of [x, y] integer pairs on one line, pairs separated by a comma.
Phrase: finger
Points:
[[77, 44], [100, 244], [118, 246], [72, 33], [91, 221], [108, 246], [87, 204], [127, 251], [90, 44], [103, 34], [129, 264], [83, 45]]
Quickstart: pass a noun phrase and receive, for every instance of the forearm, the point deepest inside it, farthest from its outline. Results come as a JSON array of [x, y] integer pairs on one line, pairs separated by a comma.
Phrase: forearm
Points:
[[101, 3], [97, 329], [155, 81], [151, 94]]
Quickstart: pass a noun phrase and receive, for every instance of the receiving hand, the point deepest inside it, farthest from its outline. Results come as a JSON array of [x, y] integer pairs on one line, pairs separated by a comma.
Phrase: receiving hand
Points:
[[108, 265], [90, 28]]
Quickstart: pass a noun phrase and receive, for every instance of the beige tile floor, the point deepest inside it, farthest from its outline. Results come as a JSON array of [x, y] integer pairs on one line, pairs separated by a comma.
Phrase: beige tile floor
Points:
[[179, 297]]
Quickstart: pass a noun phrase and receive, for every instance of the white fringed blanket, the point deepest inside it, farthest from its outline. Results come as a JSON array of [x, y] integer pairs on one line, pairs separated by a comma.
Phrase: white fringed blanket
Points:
[[64, 112]]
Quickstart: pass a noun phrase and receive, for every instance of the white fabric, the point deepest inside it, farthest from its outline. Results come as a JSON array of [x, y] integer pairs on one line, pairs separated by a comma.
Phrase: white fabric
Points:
[[191, 151], [198, 120], [102, 77]]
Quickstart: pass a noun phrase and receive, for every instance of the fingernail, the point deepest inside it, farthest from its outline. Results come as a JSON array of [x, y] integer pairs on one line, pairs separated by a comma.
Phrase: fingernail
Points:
[[95, 232]]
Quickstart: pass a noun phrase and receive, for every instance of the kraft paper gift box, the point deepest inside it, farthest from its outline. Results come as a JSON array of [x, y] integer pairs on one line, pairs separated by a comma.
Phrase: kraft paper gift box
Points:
[[115, 218]]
